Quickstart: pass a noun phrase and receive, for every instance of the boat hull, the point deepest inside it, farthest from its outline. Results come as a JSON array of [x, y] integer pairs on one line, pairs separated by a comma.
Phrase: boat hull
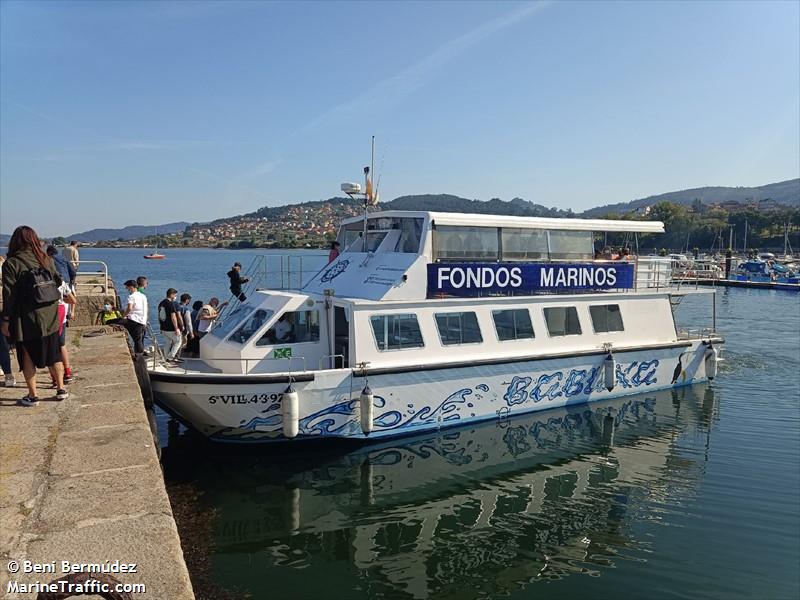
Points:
[[412, 401]]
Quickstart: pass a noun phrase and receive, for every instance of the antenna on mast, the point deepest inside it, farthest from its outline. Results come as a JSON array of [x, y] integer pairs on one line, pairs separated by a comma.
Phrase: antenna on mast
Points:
[[354, 189]]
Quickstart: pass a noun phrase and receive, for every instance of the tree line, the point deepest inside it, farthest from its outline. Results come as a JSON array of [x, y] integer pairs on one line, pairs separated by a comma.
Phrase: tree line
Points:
[[709, 229]]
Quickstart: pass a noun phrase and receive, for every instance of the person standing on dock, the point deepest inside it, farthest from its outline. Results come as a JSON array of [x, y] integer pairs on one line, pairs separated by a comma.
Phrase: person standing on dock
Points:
[[236, 281], [30, 310], [141, 284], [68, 274], [141, 287], [5, 351], [64, 304], [168, 319], [64, 267], [136, 316], [72, 255]]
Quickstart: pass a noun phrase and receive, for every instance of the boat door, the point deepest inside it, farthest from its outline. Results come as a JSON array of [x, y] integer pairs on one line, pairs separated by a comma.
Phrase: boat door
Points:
[[341, 337]]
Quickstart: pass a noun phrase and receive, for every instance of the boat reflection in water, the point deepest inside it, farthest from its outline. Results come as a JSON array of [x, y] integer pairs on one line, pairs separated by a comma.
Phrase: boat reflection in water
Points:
[[472, 512]]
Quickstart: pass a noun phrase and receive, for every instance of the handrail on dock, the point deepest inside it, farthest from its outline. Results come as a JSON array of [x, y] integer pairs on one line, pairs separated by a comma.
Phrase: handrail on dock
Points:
[[103, 272]]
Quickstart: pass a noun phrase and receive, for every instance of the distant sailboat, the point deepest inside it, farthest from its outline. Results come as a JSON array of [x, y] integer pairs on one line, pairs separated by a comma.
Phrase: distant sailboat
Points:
[[154, 255]]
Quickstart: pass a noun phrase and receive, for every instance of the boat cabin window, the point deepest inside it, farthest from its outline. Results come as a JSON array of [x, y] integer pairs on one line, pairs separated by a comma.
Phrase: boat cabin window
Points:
[[524, 244], [466, 243], [407, 236], [606, 317], [562, 320], [514, 324], [396, 332], [251, 325], [292, 328], [458, 328], [486, 244], [571, 245]]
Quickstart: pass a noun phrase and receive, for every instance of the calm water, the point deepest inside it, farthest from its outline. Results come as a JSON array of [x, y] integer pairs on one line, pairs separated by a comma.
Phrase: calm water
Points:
[[695, 495]]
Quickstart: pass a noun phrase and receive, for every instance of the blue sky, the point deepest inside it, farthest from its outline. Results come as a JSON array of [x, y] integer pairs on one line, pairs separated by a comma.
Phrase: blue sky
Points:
[[117, 113]]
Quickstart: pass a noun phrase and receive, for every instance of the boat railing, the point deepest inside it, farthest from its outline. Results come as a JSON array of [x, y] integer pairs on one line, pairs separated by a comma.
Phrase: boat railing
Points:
[[694, 278], [327, 357], [696, 333], [185, 364], [652, 272], [276, 272], [157, 355], [88, 281]]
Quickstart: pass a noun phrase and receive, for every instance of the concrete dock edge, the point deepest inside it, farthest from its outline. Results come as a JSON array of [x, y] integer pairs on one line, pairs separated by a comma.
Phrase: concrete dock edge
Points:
[[80, 480]]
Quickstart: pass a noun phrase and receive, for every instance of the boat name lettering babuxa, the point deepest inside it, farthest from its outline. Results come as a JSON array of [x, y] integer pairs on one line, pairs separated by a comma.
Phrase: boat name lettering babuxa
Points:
[[243, 398], [465, 279]]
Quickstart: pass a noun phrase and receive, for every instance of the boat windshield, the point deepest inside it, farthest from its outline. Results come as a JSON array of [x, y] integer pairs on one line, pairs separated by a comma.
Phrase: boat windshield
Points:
[[251, 325], [406, 239], [222, 327]]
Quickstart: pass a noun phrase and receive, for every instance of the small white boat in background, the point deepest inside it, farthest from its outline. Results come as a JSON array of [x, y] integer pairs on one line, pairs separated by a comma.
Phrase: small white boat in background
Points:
[[155, 254], [429, 320]]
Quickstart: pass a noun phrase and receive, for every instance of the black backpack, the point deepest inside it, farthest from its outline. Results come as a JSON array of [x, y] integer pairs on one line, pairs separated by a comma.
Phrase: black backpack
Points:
[[42, 288]]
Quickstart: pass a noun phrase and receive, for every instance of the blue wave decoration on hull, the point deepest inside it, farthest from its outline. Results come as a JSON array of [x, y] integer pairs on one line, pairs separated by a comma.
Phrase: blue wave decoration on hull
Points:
[[520, 394]]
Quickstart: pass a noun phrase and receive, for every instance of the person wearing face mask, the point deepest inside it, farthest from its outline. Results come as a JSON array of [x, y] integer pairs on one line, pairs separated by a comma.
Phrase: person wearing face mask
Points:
[[110, 315]]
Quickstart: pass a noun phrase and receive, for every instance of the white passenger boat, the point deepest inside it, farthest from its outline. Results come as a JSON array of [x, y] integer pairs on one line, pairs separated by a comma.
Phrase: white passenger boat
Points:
[[429, 320]]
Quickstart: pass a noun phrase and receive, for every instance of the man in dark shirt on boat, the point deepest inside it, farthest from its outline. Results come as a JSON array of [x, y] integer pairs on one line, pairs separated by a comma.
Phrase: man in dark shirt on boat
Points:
[[236, 281], [170, 328]]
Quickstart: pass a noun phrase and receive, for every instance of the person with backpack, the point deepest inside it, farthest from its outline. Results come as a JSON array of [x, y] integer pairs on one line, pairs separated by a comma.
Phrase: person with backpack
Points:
[[168, 319], [185, 320], [68, 275], [30, 311]]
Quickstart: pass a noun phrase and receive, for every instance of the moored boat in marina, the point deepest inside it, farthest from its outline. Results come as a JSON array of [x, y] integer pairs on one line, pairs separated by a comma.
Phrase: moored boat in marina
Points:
[[769, 273], [429, 320]]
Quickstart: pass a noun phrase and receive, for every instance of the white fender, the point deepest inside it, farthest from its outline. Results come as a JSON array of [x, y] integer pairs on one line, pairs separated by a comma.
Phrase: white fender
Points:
[[610, 371], [290, 411], [367, 410], [712, 359]]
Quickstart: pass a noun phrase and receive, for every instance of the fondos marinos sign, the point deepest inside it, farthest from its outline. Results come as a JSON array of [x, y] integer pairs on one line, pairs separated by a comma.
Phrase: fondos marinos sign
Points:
[[471, 279]]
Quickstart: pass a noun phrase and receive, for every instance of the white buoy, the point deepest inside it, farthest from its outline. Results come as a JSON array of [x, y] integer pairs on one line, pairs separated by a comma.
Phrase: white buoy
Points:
[[610, 371], [367, 410], [711, 361], [290, 411]]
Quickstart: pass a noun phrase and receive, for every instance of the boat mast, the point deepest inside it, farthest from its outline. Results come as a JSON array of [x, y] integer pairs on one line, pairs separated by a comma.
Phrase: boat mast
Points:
[[785, 239], [368, 193], [744, 245], [366, 203]]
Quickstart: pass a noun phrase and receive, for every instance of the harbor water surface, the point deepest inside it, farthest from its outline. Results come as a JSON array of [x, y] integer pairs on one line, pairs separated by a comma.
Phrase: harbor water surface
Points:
[[690, 493]]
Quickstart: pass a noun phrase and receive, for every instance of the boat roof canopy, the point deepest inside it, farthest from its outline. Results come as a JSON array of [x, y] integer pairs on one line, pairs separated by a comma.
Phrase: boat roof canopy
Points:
[[511, 221]]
